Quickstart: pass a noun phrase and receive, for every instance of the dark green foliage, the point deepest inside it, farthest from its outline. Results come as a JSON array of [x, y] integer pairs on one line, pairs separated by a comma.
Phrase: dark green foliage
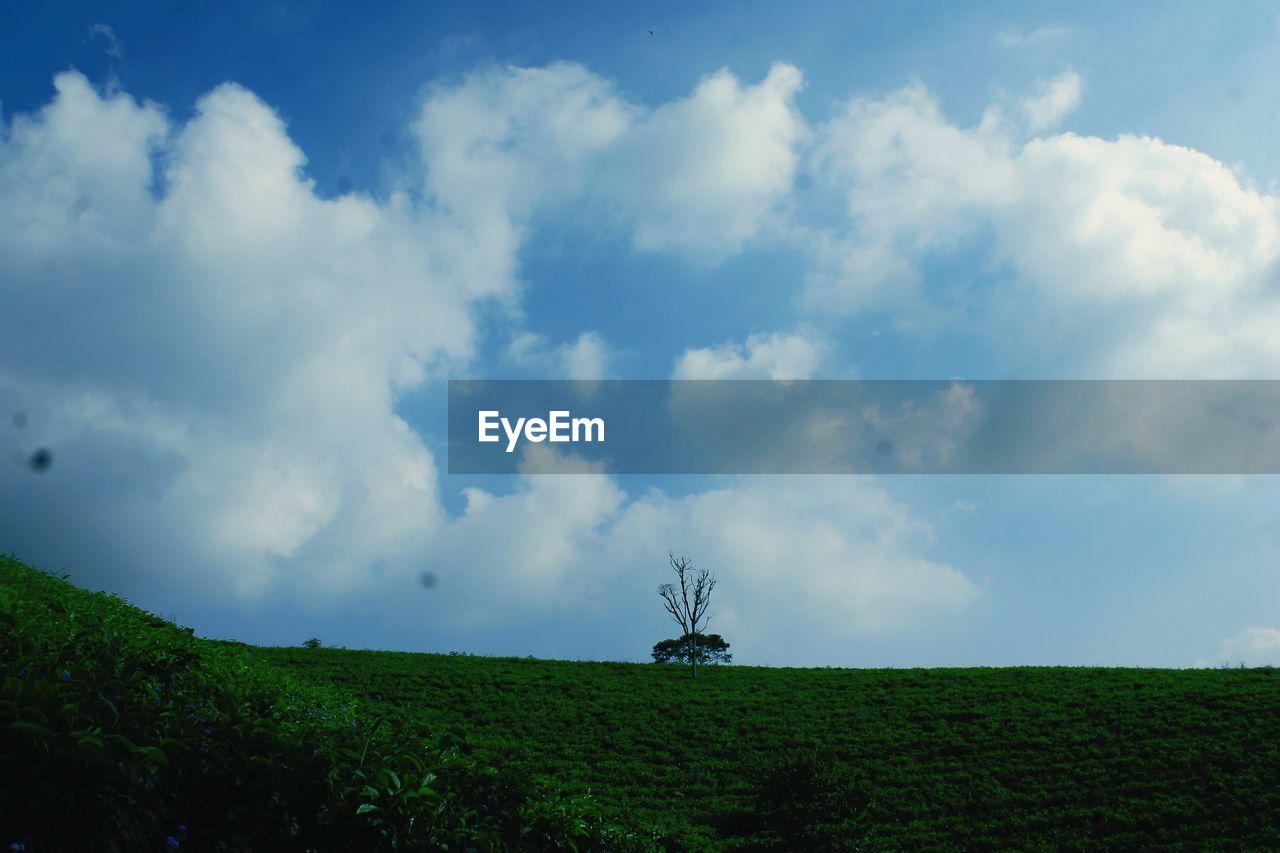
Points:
[[312, 643], [899, 759], [711, 648], [120, 731], [804, 800]]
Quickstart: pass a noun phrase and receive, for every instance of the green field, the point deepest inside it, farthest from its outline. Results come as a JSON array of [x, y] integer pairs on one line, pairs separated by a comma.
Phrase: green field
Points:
[[948, 757], [367, 750]]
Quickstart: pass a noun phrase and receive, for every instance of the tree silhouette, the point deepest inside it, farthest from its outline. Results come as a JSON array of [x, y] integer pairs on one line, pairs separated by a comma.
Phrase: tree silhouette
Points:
[[687, 601]]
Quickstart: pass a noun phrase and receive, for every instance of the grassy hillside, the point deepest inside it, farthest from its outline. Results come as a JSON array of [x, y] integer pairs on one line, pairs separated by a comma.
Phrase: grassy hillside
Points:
[[889, 759], [122, 731]]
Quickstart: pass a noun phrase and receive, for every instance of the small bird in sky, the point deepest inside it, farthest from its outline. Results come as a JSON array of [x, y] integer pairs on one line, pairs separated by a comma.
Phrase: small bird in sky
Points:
[[650, 32]]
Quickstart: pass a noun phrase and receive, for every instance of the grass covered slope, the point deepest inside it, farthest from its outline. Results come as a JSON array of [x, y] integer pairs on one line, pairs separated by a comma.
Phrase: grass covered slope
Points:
[[883, 759], [121, 731]]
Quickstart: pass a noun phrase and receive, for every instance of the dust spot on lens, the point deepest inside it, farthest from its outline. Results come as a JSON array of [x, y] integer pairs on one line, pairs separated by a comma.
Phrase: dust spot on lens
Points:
[[885, 446], [78, 209], [19, 419], [344, 185], [41, 460], [428, 580]]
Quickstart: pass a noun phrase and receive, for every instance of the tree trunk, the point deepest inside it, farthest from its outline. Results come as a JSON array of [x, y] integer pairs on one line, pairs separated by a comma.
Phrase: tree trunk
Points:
[[693, 655]]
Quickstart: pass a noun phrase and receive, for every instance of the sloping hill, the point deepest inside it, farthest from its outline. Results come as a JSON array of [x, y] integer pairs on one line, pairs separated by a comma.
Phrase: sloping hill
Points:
[[121, 731]]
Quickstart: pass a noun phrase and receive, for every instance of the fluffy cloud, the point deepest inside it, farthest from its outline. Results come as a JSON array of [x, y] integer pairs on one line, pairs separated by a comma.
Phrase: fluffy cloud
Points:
[[801, 563], [833, 557], [1056, 98], [242, 341], [912, 183], [236, 338], [1254, 646], [532, 549], [703, 173], [772, 356], [586, 357], [1126, 257], [215, 353], [698, 176], [502, 144], [1165, 240]]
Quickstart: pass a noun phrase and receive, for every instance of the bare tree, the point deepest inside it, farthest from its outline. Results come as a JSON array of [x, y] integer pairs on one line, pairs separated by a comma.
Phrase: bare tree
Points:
[[687, 603]]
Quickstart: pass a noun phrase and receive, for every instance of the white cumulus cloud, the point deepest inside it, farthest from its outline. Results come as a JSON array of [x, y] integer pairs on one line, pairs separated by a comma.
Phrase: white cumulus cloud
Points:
[[1128, 257], [832, 557], [801, 562], [1255, 646], [697, 176], [1053, 101], [234, 338], [760, 356], [587, 356], [702, 174]]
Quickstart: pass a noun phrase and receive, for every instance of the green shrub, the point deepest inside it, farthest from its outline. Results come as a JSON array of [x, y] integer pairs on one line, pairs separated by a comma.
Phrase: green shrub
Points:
[[803, 801], [120, 731]]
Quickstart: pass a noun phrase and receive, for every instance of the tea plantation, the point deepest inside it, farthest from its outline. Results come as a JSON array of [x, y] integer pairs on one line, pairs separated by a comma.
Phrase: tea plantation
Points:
[[121, 731]]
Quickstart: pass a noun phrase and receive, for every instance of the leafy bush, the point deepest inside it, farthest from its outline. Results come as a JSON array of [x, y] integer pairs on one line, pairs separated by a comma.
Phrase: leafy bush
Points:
[[120, 731], [803, 800], [711, 648]]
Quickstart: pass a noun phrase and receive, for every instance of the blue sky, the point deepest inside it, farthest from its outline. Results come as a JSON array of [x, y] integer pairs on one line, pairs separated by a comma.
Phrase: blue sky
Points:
[[242, 252]]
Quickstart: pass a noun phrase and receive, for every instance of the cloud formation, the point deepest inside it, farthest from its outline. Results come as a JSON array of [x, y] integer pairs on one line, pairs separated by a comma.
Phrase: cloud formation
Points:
[[760, 356], [237, 339], [1254, 646], [1120, 258], [1053, 101], [703, 174], [812, 560], [698, 176], [216, 352], [588, 356]]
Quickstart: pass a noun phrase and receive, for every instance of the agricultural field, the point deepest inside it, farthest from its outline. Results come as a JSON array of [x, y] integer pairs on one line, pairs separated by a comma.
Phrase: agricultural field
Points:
[[885, 759], [121, 731]]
